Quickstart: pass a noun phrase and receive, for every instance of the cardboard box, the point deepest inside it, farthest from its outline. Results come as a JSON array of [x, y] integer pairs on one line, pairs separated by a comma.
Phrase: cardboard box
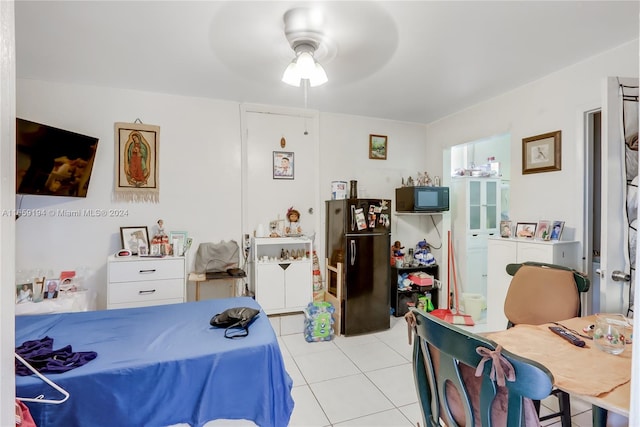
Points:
[[421, 278]]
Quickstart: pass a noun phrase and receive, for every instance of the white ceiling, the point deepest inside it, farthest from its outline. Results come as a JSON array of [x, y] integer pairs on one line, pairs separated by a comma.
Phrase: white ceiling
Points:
[[412, 61]]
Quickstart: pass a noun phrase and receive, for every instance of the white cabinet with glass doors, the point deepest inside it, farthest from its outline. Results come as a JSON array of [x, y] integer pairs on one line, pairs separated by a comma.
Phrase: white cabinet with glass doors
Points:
[[475, 216]]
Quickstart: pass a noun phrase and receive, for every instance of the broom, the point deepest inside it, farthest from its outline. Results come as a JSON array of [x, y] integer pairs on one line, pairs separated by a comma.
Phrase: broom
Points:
[[456, 319], [443, 313]]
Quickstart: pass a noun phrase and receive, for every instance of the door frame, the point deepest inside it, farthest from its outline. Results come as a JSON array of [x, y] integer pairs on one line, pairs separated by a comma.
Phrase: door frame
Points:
[[591, 299]]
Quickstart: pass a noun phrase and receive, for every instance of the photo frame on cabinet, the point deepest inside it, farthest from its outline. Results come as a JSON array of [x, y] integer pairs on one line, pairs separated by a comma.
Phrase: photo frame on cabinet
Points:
[[51, 289], [543, 231], [24, 292], [378, 147], [505, 229], [179, 237], [542, 153], [283, 165], [526, 230], [556, 230], [134, 238]]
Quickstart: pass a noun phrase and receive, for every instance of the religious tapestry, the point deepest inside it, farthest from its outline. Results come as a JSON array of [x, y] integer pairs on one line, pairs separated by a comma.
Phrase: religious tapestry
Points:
[[137, 151]]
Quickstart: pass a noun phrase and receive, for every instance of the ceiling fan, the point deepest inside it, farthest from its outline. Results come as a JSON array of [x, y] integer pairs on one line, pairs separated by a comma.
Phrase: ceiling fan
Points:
[[303, 30]]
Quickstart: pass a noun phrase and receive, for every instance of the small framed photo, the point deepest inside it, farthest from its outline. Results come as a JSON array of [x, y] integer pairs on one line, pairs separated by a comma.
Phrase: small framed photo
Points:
[[378, 147], [556, 230], [542, 153], [38, 288], [179, 241], [283, 165], [543, 232], [134, 239], [51, 288], [156, 249], [24, 293], [505, 229], [526, 230]]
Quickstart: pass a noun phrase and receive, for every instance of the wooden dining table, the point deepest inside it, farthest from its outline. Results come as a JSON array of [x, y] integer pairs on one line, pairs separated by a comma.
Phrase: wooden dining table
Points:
[[590, 374]]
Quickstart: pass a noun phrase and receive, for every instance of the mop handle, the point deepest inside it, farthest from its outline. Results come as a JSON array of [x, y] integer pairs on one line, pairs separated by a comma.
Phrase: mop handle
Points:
[[449, 271], [455, 280]]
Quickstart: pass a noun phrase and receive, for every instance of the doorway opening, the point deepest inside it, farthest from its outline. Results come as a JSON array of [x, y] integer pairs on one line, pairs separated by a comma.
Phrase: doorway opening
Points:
[[592, 203]]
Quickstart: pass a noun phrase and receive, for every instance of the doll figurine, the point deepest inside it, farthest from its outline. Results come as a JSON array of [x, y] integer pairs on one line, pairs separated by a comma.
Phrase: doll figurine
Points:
[[397, 248], [293, 217]]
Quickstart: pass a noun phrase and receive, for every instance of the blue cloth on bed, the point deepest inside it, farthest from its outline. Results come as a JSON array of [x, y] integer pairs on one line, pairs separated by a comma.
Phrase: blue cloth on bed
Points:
[[41, 355], [159, 366]]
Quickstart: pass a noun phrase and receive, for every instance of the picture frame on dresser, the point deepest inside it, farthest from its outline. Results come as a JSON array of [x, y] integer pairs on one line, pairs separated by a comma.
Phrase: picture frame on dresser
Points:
[[181, 238], [556, 230], [505, 229], [526, 230], [133, 238], [543, 231]]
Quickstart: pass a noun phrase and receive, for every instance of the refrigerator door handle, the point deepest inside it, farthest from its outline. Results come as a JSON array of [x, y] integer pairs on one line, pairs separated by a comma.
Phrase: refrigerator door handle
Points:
[[353, 217], [353, 252]]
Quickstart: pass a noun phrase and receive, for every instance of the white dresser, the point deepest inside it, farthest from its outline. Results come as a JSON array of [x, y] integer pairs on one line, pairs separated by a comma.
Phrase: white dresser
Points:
[[503, 251], [137, 282]]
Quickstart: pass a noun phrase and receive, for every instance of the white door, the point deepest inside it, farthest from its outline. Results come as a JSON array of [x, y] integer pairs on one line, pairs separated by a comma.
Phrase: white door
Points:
[[612, 292], [269, 136]]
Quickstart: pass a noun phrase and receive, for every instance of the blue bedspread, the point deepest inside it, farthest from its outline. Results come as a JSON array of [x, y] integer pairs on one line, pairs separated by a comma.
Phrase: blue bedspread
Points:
[[158, 366]]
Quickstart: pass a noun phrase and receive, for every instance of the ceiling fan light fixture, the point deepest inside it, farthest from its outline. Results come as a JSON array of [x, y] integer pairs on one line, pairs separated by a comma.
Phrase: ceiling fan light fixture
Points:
[[319, 76], [304, 35], [304, 67], [291, 76]]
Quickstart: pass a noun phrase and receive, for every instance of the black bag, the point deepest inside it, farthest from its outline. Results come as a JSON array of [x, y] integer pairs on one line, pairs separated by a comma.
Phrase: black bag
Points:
[[237, 317]]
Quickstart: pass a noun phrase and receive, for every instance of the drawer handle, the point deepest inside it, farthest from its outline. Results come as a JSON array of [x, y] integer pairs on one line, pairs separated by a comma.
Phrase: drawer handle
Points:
[[146, 292], [153, 270]]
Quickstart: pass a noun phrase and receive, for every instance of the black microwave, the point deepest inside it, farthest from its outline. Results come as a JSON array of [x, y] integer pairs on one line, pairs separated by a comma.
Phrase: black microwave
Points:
[[422, 199]]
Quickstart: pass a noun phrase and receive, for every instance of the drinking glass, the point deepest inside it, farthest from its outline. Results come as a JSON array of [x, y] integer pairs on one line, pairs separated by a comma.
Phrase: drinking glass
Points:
[[609, 333]]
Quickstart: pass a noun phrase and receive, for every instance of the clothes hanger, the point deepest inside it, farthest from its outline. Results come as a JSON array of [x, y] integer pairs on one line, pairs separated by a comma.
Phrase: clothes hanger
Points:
[[40, 398]]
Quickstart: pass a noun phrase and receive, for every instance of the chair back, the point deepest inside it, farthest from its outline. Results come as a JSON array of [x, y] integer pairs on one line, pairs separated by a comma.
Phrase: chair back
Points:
[[542, 293], [445, 358]]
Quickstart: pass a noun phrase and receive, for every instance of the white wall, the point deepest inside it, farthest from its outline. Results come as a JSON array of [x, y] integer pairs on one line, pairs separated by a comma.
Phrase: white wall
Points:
[[554, 102], [200, 172], [344, 156], [200, 176]]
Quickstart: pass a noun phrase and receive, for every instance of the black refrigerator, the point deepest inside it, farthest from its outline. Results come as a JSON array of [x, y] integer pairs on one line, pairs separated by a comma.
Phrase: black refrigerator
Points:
[[358, 235]]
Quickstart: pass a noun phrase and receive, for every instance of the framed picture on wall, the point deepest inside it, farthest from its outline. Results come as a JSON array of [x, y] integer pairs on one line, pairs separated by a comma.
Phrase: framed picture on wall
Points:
[[378, 147], [542, 153], [283, 165]]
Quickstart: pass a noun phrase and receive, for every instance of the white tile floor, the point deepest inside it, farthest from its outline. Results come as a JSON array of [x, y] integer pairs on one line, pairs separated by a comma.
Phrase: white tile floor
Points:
[[363, 380]]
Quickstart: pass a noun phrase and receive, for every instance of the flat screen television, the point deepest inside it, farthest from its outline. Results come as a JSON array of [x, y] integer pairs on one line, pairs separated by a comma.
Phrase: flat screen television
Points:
[[52, 161]]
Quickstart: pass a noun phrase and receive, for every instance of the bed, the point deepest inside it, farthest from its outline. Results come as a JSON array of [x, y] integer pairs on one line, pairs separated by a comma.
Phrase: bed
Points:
[[159, 366]]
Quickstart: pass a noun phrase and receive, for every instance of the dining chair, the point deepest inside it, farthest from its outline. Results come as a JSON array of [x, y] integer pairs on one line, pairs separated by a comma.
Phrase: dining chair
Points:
[[542, 293], [468, 380]]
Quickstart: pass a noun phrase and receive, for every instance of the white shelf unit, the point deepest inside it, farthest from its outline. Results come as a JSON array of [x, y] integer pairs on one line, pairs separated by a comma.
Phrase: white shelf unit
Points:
[[475, 217], [139, 282], [441, 253], [281, 285], [502, 251]]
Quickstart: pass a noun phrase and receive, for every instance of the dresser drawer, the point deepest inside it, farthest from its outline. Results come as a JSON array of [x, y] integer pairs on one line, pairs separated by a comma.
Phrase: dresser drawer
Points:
[[154, 269], [142, 293]]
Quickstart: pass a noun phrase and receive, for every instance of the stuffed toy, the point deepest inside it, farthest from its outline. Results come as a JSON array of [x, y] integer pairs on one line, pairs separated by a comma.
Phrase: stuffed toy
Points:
[[422, 254]]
